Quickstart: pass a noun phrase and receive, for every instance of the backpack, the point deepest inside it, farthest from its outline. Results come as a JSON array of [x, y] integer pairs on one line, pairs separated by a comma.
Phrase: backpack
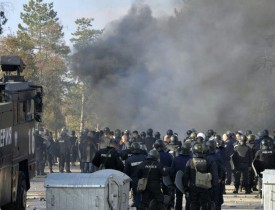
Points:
[[203, 180]]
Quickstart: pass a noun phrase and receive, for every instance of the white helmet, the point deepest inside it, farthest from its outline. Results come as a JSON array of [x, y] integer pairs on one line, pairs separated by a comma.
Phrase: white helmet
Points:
[[202, 135]]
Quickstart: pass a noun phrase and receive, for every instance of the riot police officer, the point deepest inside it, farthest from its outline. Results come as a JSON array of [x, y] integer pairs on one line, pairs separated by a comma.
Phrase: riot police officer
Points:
[[131, 167], [173, 146], [199, 197], [74, 143], [50, 144], [40, 151], [179, 163], [229, 150], [109, 158], [154, 171], [150, 139], [264, 159], [64, 150], [242, 159], [166, 159], [89, 150], [104, 139]]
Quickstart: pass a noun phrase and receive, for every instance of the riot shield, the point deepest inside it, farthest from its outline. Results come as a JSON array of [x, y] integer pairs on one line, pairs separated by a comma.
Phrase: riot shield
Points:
[[178, 181]]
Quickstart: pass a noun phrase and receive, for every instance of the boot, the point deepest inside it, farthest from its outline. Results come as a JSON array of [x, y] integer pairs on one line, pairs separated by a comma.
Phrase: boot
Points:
[[51, 170], [255, 188], [235, 191]]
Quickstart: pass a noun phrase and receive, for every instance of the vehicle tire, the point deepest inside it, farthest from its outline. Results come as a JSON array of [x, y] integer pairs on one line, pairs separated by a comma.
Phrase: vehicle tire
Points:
[[21, 198]]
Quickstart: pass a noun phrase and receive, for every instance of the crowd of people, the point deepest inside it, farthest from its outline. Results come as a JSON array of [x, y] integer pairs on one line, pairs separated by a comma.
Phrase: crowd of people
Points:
[[175, 168]]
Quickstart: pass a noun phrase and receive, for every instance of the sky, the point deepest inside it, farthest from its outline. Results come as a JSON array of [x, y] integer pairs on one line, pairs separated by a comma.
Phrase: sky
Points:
[[209, 66], [103, 12]]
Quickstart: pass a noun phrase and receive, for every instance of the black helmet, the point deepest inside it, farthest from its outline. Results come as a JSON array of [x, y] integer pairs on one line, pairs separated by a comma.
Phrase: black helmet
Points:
[[197, 148], [106, 130], [229, 133], [159, 144], [169, 132], [143, 135], [266, 132], [154, 154], [157, 135], [219, 143], [127, 132], [135, 147], [217, 137], [188, 132], [150, 132], [243, 140], [174, 140], [117, 133], [261, 134], [251, 138], [210, 133], [64, 132], [211, 144], [185, 148], [248, 132], [266, 144]]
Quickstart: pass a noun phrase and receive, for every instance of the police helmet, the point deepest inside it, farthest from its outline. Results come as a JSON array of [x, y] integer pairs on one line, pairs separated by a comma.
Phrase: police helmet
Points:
[[251, 138], [197, 148], [174, 140], [185, 148], [143, 135], [266, 144], [201, 137], [210, 132], [154, 154], [219, 143], [266, 132], [217, 137], [169, 132], [159, 144], [243, 140], [157, 135], [149, 132], [229, 133], [106, 130], [135, 147], [211, 144], [117, 133], [64, 131], [193, 136], [188, 132], [127, 132], [248, 132]]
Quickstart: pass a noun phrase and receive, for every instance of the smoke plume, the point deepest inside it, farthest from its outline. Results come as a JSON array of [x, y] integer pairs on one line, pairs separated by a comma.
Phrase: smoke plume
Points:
[[210, 65]]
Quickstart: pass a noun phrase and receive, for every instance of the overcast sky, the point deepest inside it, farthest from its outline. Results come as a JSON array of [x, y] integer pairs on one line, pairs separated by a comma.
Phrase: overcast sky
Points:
[[103, 11]]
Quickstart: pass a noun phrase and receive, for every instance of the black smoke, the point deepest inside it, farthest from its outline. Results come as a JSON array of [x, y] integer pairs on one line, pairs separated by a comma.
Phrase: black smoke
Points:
[[210, 65]]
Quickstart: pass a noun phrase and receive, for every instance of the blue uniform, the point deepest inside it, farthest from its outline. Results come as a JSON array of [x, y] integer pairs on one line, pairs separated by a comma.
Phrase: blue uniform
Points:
[[179, 163], [131, 169]]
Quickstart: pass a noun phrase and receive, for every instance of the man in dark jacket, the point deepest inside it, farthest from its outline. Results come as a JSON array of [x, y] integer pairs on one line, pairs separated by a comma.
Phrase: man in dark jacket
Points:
[[64, 149], [109, 158], [131, 167], [154, 171], [89, 149], [179, 163], [200, 198], [264, 159], [242, 159]]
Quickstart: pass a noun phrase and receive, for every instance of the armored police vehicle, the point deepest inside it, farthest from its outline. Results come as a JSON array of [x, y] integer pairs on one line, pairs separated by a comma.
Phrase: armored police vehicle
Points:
[[20, 109]]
